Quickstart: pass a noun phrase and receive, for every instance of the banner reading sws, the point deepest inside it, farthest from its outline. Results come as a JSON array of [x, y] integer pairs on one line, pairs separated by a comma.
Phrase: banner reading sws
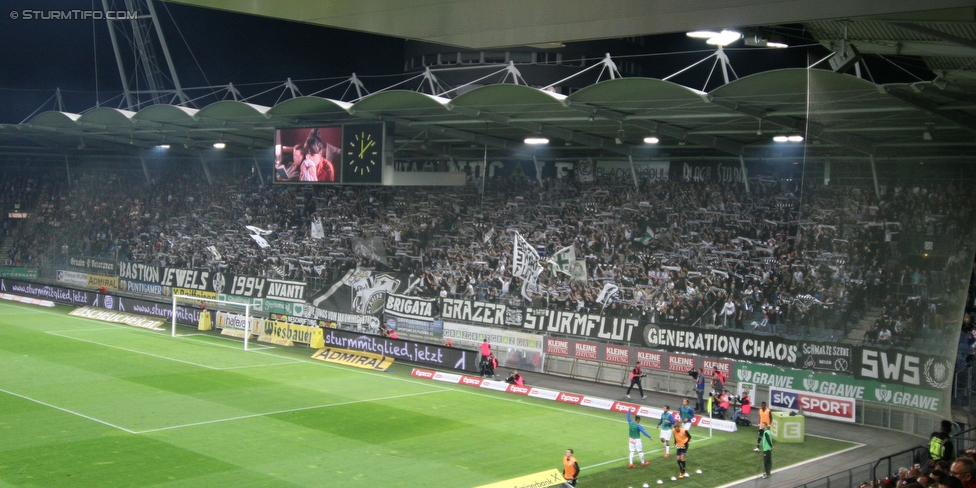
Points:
[[903, 368]]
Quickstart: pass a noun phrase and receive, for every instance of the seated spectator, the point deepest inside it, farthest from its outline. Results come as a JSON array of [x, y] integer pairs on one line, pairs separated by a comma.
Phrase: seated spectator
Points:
[[744, 407], [515, 378]]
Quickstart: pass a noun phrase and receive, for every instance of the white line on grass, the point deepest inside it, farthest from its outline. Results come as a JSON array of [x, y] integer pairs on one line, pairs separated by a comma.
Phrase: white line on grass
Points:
[[645, 452], [134, 351], [797, 465], [72, 412], [299, 409]]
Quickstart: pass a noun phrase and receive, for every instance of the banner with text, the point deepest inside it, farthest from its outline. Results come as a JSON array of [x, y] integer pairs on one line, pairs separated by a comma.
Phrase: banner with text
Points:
[[844, 386], [410, 351]]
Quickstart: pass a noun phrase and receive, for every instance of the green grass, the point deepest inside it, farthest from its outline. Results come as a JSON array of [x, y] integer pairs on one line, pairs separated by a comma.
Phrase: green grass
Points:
[[90, 404]]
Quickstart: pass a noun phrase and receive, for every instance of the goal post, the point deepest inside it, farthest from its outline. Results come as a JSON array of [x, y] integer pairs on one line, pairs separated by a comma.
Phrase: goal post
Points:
[[219, 306]]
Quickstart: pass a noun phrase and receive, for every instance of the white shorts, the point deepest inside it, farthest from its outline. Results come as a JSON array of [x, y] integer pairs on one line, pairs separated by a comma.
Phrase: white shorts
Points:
[[636, 445], [665, 435], [686, 426]]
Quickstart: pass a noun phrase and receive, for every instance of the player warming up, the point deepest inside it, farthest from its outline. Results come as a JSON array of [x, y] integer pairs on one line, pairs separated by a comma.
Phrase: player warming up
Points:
[[665, 424], [682, 437], [687, 414], [635, 429]]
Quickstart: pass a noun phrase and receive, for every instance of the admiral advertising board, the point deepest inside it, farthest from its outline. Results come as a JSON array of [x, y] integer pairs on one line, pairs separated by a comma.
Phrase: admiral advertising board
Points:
[[410, 351]]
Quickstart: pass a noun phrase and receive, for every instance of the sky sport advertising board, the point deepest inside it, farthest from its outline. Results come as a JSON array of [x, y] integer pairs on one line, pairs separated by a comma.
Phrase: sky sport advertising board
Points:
[[812, 404]]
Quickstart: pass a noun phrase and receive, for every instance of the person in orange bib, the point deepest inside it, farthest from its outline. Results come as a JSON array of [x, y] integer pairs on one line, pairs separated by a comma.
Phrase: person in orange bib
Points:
[[765, 417], [571, 468], [681, 440]]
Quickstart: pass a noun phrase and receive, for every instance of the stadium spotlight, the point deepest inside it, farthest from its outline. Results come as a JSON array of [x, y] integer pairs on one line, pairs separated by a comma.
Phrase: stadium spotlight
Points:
[[219, 145], [162, 146], [713, 38], [781, 138], [795, 138], [651, 140], [536, 140]]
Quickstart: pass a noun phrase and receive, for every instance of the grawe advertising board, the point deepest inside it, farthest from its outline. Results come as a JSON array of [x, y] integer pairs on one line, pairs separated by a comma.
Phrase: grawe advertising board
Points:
[[812, 404], [936, 402]]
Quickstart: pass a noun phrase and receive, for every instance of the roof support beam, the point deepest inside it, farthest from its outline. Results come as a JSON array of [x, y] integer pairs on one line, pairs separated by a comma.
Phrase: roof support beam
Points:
[[961, 119], [673, 131], [552, 131], [812, 129]]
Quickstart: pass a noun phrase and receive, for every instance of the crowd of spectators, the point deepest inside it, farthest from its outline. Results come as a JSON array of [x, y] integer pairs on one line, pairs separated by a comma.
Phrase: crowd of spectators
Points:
[[780, 257]]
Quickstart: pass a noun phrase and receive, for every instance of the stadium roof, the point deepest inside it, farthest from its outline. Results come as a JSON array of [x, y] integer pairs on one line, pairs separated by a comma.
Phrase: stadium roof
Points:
[[841, 114]]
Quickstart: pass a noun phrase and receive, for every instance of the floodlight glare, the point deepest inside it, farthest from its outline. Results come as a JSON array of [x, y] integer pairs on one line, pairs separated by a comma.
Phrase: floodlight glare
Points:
[[702, 34], [219, 145], [535, 140], [795, 138], [781, 138], [651, 140], [776, 45], [163, 146], [724, 38]]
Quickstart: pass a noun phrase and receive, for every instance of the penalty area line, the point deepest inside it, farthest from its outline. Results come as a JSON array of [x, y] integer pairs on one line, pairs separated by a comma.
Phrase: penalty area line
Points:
[[299, 409], [65, 410]]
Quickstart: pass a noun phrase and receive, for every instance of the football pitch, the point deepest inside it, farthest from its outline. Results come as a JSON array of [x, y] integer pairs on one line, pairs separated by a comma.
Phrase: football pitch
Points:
[[91, 404]]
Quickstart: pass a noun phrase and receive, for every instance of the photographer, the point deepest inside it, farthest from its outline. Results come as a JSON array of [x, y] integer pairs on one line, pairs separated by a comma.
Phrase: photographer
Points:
[[635, 379]]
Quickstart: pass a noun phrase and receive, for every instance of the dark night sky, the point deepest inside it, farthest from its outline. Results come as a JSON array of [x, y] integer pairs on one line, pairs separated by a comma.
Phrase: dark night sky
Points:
[[39, 56]]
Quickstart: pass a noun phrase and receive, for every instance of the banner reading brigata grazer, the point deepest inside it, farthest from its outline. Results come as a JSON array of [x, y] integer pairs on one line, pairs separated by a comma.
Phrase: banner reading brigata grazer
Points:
[[410, 351]]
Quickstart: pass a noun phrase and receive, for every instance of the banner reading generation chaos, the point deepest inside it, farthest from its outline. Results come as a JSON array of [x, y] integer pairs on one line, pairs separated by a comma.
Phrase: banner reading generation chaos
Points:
[[722, 343]]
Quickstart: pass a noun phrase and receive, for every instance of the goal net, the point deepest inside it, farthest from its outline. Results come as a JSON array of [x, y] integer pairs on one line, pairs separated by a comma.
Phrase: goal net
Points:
[[232, 318]]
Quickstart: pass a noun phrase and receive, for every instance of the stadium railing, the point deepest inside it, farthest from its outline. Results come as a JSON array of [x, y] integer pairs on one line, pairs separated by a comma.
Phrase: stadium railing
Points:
[[888, 465]]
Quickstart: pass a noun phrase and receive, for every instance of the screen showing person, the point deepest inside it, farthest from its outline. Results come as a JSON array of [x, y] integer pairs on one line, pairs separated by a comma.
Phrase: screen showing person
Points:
[[307, 155]]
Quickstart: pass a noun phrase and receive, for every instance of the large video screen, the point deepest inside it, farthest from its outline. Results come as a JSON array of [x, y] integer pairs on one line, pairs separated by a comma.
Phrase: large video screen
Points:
[[350, 154]]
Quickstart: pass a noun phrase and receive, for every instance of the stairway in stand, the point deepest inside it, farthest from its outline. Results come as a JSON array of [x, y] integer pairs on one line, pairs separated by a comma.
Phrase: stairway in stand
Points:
[[856, 335]]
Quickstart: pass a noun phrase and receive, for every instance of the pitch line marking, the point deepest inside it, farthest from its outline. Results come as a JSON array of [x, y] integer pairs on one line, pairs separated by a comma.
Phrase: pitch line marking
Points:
[[299, 409], [856, 445], [72, 412], [135, 351], [624, 458]]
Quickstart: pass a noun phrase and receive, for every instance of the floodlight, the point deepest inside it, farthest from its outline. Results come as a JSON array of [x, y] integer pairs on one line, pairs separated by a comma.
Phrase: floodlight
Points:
[[535, 140], [219, 145], [795, 138], [162, 146], [702, 34], [781, 138], [724, 38], [651, 140]]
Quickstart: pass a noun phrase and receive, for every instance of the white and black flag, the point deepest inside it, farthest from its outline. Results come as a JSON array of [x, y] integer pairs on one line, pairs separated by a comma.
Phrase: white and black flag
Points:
[[370, 248], [526, 263], [318, 232], [562, 261]]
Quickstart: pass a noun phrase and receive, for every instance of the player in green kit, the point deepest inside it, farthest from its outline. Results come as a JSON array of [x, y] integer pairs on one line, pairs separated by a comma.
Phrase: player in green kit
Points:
[[665, 424], [687, 414], [635, 429]]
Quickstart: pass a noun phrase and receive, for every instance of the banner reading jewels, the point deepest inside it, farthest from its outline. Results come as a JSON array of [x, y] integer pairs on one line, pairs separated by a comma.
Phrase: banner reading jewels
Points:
[[410, 351], [936, 402]]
